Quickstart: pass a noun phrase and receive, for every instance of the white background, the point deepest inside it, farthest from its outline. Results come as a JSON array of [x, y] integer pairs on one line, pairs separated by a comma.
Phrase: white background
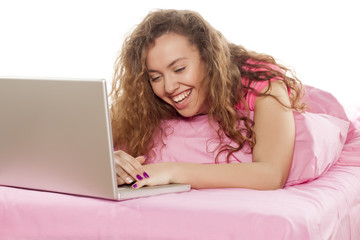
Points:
[[73, 38]]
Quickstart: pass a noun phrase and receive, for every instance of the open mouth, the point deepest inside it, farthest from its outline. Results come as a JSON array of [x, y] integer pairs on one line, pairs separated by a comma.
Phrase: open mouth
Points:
[[181, 97]]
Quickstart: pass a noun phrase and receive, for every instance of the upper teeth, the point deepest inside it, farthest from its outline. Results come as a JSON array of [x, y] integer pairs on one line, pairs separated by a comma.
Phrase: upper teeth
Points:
[[181, 96]]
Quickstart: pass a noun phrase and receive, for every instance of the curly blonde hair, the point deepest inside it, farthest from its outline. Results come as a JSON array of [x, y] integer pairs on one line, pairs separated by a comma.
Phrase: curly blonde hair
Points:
[[136, 112]]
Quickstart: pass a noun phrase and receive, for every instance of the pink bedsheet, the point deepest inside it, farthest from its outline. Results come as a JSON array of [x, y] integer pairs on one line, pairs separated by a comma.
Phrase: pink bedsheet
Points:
[[325, 208]]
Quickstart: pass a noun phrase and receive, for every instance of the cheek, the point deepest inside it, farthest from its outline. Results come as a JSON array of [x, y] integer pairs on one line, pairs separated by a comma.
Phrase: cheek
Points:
[[204, 89], [157, 89]]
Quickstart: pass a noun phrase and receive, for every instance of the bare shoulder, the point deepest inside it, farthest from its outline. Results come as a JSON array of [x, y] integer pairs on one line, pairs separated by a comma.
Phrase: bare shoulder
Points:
[[279, 90], [272, 114], [274, 130]]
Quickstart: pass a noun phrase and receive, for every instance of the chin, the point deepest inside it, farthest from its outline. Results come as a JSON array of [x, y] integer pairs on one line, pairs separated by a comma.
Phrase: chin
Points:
[[188, 114]]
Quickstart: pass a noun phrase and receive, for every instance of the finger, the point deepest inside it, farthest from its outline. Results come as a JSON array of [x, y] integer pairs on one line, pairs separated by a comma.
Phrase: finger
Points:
[[123, 177], [130, 159], [120, 181], [131, 165], [141, 159], [132, 171], [139, 184]]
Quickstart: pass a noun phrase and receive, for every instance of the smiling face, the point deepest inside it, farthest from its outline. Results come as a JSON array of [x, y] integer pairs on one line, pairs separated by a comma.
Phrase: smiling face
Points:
[[176, 73]]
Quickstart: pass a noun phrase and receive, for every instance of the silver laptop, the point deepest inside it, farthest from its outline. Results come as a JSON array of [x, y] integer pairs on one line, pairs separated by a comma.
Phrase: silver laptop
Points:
[[55, 135]]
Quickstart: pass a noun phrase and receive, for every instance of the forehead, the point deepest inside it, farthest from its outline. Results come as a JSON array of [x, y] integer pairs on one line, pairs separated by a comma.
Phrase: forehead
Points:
[[168, 47]]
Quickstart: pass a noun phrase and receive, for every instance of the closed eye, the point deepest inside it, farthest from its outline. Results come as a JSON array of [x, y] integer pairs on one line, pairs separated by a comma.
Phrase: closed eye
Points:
[[180, 69], [154, 78]]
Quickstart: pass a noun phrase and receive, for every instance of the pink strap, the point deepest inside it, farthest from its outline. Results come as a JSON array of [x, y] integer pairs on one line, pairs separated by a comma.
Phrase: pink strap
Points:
[[257, 86]]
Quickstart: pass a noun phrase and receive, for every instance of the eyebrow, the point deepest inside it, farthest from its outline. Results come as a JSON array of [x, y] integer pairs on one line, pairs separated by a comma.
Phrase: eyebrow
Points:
[[171, 64]]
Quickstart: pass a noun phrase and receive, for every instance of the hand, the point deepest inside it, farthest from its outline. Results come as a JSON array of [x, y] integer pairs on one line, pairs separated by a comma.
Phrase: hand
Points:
[[128, 168], [159, 174]]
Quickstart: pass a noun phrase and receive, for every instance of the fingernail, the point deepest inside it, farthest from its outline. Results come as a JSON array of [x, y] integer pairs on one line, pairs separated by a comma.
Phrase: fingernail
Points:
[[146, 175], [129, 180], [139, 177], [144, 156], [134, 186]]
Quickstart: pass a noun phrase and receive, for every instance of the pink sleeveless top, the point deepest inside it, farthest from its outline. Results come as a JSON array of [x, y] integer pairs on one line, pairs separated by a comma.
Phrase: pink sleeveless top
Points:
[[257, 86]]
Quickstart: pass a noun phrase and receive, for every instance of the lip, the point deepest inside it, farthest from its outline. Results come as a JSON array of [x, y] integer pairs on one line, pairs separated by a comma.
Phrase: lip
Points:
[[182, 104], [176, 95]]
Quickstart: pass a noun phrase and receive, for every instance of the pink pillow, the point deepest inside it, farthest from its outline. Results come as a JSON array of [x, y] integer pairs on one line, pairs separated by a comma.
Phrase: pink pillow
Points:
[[318, 144]]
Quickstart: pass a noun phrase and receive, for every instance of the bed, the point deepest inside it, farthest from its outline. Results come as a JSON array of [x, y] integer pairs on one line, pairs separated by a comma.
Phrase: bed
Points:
[[325, 205]]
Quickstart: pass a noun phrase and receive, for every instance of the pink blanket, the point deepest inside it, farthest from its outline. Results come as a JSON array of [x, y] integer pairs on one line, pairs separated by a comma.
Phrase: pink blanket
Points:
[[325, 206]]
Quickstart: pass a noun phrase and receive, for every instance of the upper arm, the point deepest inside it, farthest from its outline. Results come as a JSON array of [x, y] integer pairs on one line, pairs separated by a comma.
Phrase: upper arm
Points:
[[275, 132]]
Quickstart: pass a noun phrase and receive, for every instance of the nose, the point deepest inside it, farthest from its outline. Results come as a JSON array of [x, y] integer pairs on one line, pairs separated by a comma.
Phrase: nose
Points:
[[170, 85]]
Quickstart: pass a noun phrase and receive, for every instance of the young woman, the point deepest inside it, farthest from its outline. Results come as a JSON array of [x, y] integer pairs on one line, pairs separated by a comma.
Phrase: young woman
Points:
[[175, 65]]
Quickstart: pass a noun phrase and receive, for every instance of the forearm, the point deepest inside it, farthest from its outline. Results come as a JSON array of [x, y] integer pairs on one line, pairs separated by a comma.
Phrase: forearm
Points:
[[255, 175]]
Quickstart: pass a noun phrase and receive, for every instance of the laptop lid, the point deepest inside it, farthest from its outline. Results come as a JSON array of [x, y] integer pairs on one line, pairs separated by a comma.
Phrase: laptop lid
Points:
[[55, 135]]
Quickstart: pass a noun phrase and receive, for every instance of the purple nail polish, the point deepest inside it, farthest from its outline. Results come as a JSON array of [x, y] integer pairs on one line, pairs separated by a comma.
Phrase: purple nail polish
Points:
[[146, 175], [134, 186], [144, 156], [139, 177]]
